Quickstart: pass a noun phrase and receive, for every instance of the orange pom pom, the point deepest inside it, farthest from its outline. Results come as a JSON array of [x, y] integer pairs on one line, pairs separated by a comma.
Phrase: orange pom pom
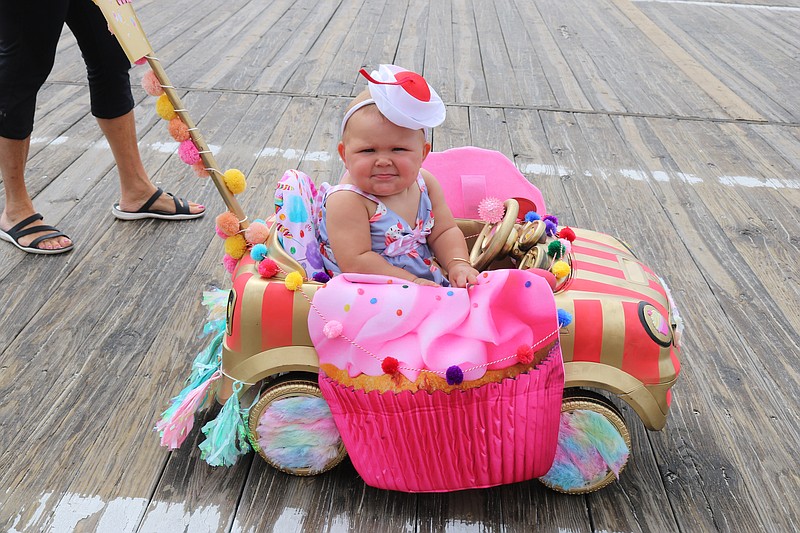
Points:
[[178, 130], [228, 223], [256, 233]]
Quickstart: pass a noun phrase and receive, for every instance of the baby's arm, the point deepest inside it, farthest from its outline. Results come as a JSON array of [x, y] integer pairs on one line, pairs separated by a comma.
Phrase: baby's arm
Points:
[[446, 239], [347, 220]]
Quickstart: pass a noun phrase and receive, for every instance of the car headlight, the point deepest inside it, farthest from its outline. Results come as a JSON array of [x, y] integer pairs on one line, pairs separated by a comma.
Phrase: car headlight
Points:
[[655, 324]]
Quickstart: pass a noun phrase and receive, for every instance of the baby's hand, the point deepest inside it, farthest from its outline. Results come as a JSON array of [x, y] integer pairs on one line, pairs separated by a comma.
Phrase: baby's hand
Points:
[[462, 274], [426, 282]]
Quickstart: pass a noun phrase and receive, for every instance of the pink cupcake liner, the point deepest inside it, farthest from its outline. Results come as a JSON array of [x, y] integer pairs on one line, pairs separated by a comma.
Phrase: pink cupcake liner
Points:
[[435, 442]]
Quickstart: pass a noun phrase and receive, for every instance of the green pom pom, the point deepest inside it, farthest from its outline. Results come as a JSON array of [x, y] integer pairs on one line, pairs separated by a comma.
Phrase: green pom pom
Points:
[[555, 249]]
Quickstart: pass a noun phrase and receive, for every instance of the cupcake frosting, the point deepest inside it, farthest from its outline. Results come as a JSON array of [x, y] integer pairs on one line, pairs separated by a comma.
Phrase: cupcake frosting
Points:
[[358, 320]]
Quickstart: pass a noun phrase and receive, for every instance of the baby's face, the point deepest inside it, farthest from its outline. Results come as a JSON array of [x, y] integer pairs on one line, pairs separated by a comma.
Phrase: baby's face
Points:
[[381, 158]]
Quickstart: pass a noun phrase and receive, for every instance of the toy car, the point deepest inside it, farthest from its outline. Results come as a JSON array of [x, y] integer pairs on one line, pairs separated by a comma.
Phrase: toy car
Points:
[[623, 339]]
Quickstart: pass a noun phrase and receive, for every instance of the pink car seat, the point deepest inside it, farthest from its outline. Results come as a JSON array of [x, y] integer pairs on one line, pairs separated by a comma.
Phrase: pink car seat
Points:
[[470, 174]]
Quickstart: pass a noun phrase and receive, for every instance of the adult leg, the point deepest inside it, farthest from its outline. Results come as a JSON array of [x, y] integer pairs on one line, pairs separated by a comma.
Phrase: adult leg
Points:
[[112, 104], [29, 33]]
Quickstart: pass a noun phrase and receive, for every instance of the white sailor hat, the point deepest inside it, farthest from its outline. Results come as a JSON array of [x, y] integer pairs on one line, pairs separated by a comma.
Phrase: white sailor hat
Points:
[[403, 97]]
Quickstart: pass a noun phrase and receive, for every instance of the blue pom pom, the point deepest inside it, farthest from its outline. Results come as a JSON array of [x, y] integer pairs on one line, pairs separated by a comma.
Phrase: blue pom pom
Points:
[[532, 216], [260, 220], [259, 252], [564, 318], [550, 228], [454, 375], [321, 277]]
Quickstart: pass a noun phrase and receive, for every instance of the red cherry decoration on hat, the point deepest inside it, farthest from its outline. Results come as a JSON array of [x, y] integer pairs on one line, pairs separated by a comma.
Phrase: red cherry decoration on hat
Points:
[[411, 82]]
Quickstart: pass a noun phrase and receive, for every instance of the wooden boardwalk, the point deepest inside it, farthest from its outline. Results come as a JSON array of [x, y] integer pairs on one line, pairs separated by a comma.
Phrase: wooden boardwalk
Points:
[[674, 125]]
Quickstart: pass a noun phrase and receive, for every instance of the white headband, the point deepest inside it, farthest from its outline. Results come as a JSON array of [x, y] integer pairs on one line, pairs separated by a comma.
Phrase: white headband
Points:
[[403, 97]]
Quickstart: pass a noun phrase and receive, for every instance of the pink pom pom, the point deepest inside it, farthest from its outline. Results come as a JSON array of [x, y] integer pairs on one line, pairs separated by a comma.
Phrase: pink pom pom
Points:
[[567, 245], [151, 85], [220, 233], [229, 263], [140, 61], [491, 210], [178, 130], [188, 152], [256, 233], [268, 268], [228, 223], [332, 329], [200, 170]]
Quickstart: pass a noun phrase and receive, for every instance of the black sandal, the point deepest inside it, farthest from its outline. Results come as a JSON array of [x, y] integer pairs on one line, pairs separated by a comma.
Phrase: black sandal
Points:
[[182, 211], [14, 234]]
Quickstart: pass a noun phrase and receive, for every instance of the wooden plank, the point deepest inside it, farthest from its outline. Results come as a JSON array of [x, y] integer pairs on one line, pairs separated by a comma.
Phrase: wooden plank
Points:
[[385, 45], [440, 68], [314, 68], [413, 43], [470, 82], [502, 87]]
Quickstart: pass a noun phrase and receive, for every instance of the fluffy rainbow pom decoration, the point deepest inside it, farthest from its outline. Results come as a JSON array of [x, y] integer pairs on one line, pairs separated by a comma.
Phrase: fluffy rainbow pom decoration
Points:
[[454, 375], [321, 277], [589, 446], [164, 108], [141, 61], [561, 269], [151, 85], [555, 249], [178, 130], [294, 281], [566, 244], [235, 246], [268, 268], [259, 252], [256, 233], [298, 432], [390, 365], [332, 329], [532, 216], [188, 152], [491, 210], [228, 223], [550, 228], [525, 354], [229, 263], [234, 180], [553, 218]]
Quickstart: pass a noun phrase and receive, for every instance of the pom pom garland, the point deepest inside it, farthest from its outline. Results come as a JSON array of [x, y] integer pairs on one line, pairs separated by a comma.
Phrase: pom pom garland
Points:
[[555, 249], [567, 233], [294, 281], [551, 217], [390, 365], [257, 232], [268, 268], [188, 152], [550, 228], [200, 170], [229, 263], [564, 318], [332, 329], [234, 180], [221, 234], [561, 269], [151, 85], [178, 130], [454, 375], [491, 210], [141, 61], [525, 354], [321, 277], [228, 223], [532, 216], [259, 252], [566, 244], [164, 108], [235, 246]]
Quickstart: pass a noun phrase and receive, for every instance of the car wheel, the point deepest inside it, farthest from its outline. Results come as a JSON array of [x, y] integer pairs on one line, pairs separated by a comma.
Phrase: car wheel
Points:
[[593, 444], [292, 429]]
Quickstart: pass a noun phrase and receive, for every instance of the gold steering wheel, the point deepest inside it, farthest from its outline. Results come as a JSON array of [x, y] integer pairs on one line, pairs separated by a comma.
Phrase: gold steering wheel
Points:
[[495, 240]]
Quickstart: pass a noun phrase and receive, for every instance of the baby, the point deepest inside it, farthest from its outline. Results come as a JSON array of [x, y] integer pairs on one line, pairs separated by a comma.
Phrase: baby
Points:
[[380, 218]]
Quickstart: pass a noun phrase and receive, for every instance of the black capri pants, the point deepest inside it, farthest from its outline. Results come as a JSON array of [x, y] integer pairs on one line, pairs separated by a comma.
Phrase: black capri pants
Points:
[[29, 34]]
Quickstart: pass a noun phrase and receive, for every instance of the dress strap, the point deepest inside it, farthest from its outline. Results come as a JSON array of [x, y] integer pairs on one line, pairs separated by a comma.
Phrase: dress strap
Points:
[[352, 188]]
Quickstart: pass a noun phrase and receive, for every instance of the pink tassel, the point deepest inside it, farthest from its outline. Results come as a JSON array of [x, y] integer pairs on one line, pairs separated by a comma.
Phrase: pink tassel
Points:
[[177, 427]]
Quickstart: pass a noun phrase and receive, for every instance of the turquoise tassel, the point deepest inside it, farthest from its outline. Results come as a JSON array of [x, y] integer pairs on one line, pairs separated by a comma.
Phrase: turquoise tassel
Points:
[[226, 436]]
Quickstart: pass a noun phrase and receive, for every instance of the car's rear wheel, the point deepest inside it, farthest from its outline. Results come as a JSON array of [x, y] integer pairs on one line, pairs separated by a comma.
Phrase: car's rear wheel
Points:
[[593, 444], [292, 428]]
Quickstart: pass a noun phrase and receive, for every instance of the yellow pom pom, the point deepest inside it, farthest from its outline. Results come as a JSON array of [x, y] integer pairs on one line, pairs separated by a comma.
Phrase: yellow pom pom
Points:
[[164, 108], [561, 269], [236, 246], [294, 281], [234, 180]]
